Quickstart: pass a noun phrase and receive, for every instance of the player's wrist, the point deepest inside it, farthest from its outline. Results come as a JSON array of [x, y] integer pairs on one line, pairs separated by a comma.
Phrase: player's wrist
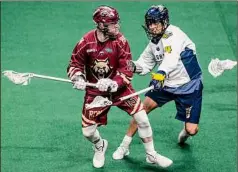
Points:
[[161, 72], [138, 68], [78, 76]]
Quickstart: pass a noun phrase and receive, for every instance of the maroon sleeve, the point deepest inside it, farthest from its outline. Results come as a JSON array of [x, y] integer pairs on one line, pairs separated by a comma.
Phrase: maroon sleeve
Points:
[[124, 74], [77, 61]]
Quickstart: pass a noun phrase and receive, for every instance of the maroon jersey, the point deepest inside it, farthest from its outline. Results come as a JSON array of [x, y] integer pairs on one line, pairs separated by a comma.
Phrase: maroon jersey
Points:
[[98, 60]]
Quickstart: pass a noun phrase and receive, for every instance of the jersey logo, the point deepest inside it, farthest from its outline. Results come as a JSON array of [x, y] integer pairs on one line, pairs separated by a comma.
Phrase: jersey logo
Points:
[[101, 68], [94, 113], [109, 50], [159, 57], [168, 49], [188, 111], [167, 35], [91, 50]]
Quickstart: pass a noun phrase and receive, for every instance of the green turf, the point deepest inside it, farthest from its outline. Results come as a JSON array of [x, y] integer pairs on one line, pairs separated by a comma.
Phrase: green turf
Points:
[[41, 123]]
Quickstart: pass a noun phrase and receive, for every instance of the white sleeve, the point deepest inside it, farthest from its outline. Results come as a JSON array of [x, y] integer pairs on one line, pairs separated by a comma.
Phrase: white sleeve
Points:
[[172, 54], [146, 61]]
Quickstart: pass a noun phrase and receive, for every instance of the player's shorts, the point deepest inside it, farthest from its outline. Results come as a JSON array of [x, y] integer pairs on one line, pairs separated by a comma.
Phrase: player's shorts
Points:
[[99, 115], [188, 105]]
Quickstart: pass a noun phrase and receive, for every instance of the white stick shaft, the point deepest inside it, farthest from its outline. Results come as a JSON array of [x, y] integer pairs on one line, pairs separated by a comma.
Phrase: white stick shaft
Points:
[[137, 93], [51, 78], [59, 79]]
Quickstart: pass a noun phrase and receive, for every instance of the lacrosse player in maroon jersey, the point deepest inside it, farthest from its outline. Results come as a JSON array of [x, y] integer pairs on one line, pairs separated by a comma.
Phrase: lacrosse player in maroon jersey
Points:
[[102, 57]]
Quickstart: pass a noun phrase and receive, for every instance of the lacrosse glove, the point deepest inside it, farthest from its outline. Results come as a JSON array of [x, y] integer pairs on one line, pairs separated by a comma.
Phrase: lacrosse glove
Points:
[[158, 79], [78, 82], [135, 67], [106, 84]]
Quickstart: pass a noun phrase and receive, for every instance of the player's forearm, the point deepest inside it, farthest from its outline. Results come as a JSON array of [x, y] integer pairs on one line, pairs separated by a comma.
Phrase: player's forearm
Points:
[[75, 69], [145, 63], [77, 62], [122, 79]]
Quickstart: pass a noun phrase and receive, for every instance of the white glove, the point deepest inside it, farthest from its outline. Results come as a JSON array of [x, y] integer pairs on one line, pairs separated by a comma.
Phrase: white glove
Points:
[[106, 84], [78, 82], [135, 67], [138, 69]]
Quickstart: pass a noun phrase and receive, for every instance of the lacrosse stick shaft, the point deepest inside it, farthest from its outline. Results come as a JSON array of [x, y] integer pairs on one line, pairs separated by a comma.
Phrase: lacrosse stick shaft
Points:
[[137, 93], [59, 79], [100, 101]]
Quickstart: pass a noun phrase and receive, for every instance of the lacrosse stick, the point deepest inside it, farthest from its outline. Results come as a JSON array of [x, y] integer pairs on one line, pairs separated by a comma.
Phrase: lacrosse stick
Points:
[[24, 78], [216, 67], [100, 101]]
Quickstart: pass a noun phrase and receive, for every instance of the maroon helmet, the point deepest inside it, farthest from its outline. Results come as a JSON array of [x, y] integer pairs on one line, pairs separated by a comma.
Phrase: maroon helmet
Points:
[[106, 14]]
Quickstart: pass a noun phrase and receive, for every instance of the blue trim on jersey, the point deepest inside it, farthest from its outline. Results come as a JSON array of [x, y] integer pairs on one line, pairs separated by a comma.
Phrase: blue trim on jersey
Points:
[[187, 88], [190, 63]]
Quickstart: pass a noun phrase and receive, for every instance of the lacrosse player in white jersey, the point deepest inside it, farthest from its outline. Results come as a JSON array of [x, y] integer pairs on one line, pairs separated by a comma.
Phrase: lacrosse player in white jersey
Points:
[[178, 78]]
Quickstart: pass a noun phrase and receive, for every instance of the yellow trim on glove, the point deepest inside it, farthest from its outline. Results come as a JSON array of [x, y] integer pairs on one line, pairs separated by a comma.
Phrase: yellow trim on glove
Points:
[[158, 76]]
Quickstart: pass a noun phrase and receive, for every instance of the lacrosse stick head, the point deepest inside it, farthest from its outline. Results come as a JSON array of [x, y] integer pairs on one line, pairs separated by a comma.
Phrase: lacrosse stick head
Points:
[[98, 101], [216, 67], [228, 64], [18, 78]]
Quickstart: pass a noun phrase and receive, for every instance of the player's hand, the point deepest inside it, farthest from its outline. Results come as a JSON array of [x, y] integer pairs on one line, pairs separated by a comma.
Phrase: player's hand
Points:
[[106, 84], [158, 79], [135, 67], [78, 82]]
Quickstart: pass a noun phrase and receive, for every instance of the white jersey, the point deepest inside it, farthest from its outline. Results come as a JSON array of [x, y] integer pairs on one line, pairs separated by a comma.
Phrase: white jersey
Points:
[[175, 54]]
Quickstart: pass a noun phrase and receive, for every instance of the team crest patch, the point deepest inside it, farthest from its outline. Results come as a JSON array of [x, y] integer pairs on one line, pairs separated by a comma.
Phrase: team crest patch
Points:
[[168, 49], [101, 68], [167, 35], [109, 50]]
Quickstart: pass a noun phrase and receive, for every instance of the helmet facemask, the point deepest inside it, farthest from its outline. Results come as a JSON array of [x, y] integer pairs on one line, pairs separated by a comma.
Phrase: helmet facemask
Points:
[[106, 29], [156, 15], [106, 17]]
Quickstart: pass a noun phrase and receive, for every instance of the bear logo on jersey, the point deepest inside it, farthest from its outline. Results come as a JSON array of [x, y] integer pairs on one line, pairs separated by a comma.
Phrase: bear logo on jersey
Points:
[[101, 68]]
